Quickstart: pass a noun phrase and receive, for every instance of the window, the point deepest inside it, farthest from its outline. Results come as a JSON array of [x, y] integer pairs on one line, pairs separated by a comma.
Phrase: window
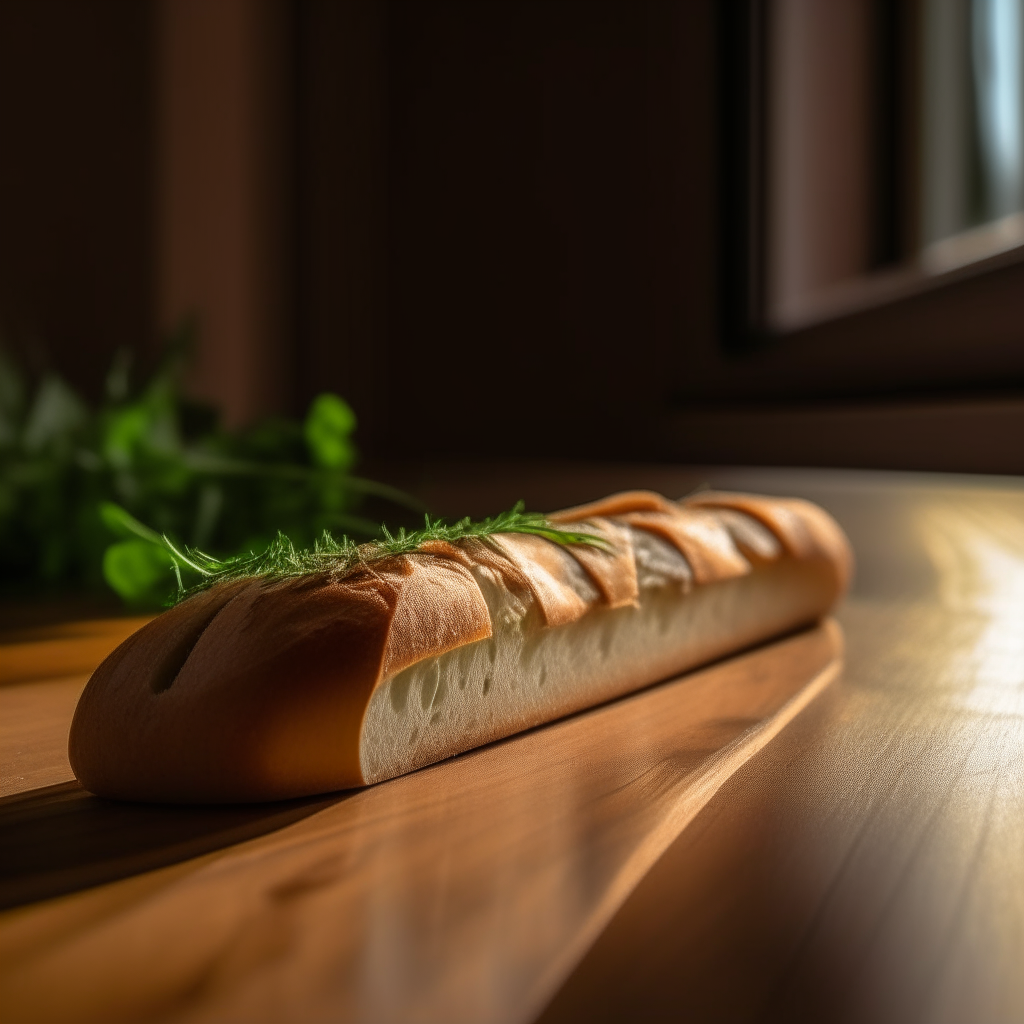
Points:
[[883, 152]]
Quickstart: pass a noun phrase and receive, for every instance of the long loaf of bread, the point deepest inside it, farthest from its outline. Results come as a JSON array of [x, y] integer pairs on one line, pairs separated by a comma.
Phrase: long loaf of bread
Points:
[[260, 689]]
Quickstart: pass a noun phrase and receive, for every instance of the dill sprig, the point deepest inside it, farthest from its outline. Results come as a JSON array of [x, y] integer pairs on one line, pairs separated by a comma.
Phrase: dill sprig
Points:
[[282, 560]]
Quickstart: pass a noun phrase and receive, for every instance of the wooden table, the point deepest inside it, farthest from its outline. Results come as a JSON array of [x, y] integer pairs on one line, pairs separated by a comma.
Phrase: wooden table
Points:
[[793, 834]]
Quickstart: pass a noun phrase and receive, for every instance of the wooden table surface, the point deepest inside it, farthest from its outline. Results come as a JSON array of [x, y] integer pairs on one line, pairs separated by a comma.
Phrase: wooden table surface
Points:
[[827, 828]]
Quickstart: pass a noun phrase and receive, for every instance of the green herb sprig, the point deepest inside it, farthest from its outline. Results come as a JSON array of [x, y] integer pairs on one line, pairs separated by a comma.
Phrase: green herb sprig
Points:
[[282, 560]]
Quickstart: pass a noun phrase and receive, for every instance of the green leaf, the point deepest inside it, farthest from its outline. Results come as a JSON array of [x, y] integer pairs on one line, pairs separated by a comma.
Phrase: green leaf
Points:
[[69, 474], [140, 572], [137, 432], [328, 427], [122, 523], [56, 414]]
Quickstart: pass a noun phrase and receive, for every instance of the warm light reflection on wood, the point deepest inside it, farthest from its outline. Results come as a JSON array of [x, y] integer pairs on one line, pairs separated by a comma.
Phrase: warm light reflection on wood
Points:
[[978, 555]]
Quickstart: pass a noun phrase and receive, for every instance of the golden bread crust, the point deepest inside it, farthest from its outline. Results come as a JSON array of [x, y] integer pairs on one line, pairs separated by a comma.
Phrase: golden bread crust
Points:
[[613, 567], [269, 700], [615, 505], [804, 529], [700, 537]]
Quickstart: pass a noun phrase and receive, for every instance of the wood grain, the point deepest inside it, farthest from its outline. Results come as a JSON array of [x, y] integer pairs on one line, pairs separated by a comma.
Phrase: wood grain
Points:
[[66, 649], [867, 865], [43, 671], [465, 891], [61, 839], [34, 722]]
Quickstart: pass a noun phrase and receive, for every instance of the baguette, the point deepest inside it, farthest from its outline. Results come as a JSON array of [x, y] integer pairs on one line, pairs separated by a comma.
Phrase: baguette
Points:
[[264, 689]]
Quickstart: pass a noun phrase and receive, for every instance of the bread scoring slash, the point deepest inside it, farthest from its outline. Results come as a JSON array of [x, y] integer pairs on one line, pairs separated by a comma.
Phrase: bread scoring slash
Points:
[[263, 689]]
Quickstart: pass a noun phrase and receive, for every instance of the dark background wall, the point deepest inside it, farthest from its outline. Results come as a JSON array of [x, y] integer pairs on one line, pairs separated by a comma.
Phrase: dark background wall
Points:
[[76, 239], [543, 174], [504, 238]]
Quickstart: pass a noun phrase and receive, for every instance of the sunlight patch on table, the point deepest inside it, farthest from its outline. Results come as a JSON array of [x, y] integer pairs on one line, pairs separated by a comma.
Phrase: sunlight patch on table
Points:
[[979, 560]]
